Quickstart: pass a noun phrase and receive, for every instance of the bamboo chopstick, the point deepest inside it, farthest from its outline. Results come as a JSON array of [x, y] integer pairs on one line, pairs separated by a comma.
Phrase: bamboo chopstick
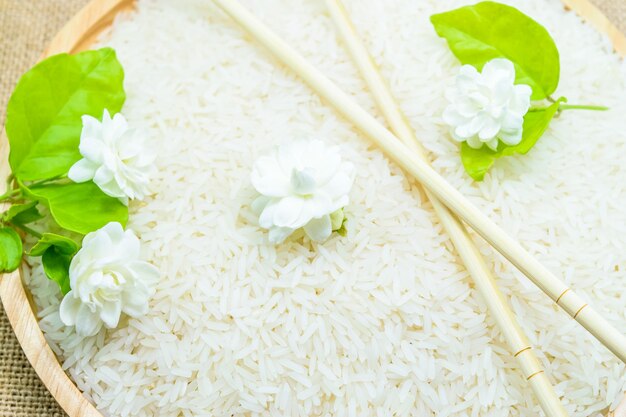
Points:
[[564, 296], [474, 262]]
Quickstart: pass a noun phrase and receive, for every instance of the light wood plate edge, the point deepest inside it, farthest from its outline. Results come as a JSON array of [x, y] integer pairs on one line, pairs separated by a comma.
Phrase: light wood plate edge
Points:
[[77, 35], [594, 16]]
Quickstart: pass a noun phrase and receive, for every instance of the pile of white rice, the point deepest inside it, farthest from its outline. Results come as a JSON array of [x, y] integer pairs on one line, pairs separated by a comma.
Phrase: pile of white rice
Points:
[[385, 322]]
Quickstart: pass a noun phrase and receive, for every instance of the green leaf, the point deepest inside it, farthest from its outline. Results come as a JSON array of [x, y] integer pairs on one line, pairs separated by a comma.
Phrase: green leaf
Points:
[[23, 213], [478, 161], [43, 121], [10, 250], [477, 34], [80, 208], [62, 244], [56, 265], [56, 253]]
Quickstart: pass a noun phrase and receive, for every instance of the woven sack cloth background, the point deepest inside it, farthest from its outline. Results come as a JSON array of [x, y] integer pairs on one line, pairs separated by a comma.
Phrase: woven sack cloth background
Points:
[[26, 26]]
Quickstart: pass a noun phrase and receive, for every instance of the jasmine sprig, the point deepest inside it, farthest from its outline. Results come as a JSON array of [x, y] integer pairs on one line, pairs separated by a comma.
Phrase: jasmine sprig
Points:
[[482, 33], [44, 126]]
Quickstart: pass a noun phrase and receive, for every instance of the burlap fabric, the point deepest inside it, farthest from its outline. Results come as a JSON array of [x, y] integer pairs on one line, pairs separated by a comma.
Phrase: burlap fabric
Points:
[[26, 26]]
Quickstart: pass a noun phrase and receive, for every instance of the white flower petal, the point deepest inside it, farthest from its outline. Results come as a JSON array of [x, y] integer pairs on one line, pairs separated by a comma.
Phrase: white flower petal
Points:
[[87, 322], [268, 179], [466, 109], [106, 117], [520, 102], [489, 130], [92, 149], [339, 186], [318, 206], [467, 79], [68, 310], [83, 170], [103, 175], [319, 229], [303, 181], [91, 127], [511, 138], [512, 121], [474, 142], [493, 144], [324, 161], [119, 127], [115, 232], [266, 219], [499, 69], [279, 234], [288, 212], [105, 180], [98, 244], [128, 244], [473, 127], [110, 313]]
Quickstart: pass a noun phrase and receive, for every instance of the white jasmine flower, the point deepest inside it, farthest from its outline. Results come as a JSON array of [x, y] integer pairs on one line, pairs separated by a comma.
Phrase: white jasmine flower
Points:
[[107, 278], [487, 106], [114, 157], [301, 184]]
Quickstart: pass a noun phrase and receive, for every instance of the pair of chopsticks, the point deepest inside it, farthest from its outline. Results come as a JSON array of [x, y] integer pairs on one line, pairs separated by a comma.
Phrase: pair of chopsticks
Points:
[[467, 250], [401, 147]]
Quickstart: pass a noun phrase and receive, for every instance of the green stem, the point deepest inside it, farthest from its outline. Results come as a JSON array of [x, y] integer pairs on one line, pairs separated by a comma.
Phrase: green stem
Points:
[[582, 107], [10, 181], [28, 230], [36, 183], [9, 194], [563, 106]]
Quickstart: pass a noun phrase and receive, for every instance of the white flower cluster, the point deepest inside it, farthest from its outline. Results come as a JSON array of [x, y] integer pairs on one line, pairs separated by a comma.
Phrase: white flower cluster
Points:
[[302, 185], [107, 278], [487, 106], [114, 157]]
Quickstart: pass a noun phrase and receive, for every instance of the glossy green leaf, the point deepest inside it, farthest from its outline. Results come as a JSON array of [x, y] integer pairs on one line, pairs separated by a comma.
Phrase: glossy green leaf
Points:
[[56, 253], [43, 121], [478, 161], [10, 250], [477, 34], [62, 244], [80, 208], [23, 213], [56, 265]]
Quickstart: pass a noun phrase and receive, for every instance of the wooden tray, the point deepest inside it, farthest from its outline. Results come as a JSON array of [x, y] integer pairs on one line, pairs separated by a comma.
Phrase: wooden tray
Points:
[[77, 35]]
